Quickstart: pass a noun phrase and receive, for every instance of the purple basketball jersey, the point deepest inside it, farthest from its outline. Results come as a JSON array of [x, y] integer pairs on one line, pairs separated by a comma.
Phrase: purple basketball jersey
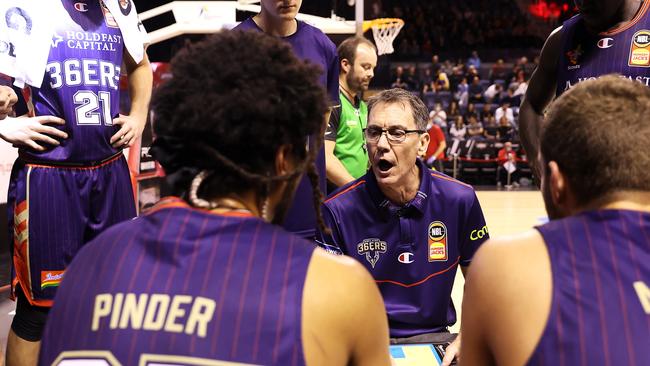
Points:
[[183, 286], [412, 251], [309, 43], [81, 83], [624, 51], [599, 262]]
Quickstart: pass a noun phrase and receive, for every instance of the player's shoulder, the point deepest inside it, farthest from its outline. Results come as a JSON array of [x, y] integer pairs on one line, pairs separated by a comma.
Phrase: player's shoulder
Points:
[[449, 187], [347, 195], [501, 257], [318, 36]]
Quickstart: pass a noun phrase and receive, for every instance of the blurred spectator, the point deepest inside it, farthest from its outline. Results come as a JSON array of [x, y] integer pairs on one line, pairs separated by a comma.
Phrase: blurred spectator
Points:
[[493, 93], [454, 111], [462, 92], [499, 71], [507, 159], [438, 116], [398, 81], [441, 81], [491, 132], [506, 131], [470, 112], [474, 129], [411, 79], [427, 81], [505, 111], [474, 60], [486, 113], [437, 146], [435, 64], [458, 130], [476, 91]]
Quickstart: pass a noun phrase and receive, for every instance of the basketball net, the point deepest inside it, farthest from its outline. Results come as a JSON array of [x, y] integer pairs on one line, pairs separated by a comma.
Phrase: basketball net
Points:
[[384, 31]]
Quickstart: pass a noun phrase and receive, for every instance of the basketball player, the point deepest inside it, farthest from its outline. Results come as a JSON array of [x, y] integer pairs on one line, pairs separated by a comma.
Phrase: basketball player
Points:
[[212, 276], [412, 228], [7, 100], [345, 147], [278, 19], [608, 36], [64, 191], [574, 291]]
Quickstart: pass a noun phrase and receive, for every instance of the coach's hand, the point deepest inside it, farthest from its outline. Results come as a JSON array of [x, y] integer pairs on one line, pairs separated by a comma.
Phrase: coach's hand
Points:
[[452, 351], [7, 100], [32, 131], [131, 128]]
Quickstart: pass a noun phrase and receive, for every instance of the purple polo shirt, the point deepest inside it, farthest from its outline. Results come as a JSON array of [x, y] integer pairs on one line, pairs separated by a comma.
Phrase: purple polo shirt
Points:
[[310, 44], [412, 251]]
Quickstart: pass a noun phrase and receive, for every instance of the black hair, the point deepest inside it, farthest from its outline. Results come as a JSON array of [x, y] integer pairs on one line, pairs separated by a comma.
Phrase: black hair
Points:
[[234, 99]]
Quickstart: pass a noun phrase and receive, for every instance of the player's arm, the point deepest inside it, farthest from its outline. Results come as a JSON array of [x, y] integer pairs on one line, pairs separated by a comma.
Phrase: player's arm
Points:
[[502, 324], [344, 319], [140, 83], [336, 172], [25, 131], [7, 100], [540, 93]]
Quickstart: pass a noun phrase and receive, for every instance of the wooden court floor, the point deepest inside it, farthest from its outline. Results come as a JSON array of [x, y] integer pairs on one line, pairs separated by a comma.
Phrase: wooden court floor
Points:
[[506, 213]]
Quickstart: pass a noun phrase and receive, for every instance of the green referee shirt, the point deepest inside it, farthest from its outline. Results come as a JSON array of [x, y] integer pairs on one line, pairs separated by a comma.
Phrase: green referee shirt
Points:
[[345, 127]]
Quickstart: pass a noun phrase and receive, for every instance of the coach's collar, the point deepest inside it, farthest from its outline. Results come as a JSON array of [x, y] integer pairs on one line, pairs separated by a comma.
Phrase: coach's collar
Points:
[[415, 206]]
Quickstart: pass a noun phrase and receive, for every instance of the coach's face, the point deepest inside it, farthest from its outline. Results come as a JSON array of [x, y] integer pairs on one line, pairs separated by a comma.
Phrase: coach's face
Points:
[[600, 15], [285, 9], [393, 153]]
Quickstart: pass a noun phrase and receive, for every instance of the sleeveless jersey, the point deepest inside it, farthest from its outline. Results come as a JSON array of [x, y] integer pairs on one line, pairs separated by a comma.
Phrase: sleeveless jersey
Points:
[[183, 286], [624, 50], [600, 310], [81, 83]]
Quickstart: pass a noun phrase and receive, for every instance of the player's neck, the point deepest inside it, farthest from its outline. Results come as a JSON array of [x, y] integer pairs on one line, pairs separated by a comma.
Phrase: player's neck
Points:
[[235, 204], [628, 200], [275, 26], [347, 91], [402, 193], [629, 11]]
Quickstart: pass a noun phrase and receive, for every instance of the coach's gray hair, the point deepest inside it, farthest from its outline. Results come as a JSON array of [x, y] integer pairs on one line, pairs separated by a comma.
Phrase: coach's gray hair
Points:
[[419, 110]]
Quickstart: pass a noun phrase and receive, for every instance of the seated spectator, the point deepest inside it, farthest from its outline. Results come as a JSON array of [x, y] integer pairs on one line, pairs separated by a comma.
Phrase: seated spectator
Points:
[[507, 159], [441, 81], [458, 130], [472, 72], [475, 91], [505, 111], [470, 112], [498, 71], [435, 64], [474, 60], [506, 131], [486, 113], [427, 81], [474, 129], [453, 111], [491, 132], [411, 79], [493, 93], [398, 81], [438, 116], [462, 91]]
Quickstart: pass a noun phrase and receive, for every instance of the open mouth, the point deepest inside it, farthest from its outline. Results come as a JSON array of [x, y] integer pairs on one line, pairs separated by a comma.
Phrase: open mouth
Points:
[[384, 165]]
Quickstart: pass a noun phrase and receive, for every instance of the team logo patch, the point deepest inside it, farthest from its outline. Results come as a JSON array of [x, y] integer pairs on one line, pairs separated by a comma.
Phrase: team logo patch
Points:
[[406, 258], [605, 43], [371, 248], [479, 233], [110, 19], [125, 6], [51, 279], [437, 236], [640, 49], [82, 7], [574, 55]]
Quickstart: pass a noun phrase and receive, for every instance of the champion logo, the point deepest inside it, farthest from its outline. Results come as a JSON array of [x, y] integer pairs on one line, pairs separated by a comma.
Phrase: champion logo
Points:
[[406, 258], [82, 7], [606, 43]]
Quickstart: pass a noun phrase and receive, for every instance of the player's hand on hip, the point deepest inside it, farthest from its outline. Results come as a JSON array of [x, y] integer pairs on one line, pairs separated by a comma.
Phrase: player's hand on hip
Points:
[[32, 132], [130, 129], [452, 351], [7, 100]]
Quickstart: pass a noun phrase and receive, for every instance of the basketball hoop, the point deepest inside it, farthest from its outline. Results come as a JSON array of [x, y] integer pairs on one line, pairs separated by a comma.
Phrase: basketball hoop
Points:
[[384, 30]]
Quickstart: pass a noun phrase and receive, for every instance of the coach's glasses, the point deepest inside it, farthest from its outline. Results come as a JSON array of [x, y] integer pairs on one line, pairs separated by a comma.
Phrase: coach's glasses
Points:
[[394, 134]]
